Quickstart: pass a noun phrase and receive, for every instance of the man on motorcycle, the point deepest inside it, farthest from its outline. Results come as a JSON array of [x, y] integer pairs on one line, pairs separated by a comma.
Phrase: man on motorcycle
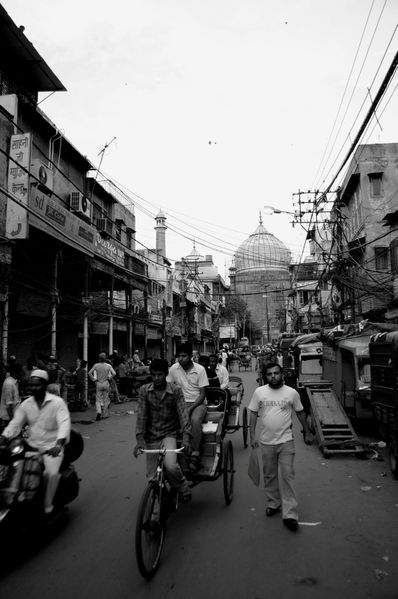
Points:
[[49, 424]]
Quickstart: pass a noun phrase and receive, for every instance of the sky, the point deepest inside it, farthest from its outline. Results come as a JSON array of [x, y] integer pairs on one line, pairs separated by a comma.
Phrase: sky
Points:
[[212, 109]]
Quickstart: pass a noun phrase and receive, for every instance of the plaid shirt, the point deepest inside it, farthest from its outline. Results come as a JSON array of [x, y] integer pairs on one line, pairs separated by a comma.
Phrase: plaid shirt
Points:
[[160, 418]]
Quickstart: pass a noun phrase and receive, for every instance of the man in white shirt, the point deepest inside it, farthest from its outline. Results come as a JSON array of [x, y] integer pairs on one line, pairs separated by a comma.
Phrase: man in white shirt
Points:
[[49, 429], [219, 371], [9, 397], [192, 379], [102, 373], [273, 404]]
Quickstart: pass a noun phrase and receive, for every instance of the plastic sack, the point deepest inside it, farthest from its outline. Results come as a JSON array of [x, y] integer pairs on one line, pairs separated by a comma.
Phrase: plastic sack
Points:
[[254, 467]]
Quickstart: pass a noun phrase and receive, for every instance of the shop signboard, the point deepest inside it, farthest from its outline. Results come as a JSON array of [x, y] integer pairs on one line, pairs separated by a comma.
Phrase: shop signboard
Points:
[[18, 186], [109, 249], [54, 218]]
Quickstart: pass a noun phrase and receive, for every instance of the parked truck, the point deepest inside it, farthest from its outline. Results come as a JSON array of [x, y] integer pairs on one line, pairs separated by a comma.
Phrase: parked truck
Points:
[[346, 363], [383, 350]]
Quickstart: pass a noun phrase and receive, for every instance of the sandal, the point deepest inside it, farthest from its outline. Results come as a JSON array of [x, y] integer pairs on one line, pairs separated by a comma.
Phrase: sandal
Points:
[[194, 464]]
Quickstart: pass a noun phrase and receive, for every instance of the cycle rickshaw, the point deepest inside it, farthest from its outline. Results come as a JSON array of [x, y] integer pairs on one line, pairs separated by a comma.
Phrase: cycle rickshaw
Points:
[[245, 361], [159, 500]]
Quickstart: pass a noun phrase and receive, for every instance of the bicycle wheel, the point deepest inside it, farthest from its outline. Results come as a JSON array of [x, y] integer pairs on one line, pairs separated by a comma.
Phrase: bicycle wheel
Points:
[[245, 427], [149, 531], [228, 472]]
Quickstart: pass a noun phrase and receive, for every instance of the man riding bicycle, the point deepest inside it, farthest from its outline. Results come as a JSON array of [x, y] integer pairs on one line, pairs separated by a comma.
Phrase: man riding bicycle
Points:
[[162, 413]]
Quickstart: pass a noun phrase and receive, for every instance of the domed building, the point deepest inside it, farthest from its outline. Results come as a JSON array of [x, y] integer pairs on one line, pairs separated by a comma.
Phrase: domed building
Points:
[[260, 275]]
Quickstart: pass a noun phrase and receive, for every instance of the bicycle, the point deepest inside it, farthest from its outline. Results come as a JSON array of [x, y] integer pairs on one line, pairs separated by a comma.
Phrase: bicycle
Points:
[[158, 502]]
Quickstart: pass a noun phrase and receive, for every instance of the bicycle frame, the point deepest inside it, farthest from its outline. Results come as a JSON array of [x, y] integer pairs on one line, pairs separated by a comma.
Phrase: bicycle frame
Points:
[[152, 516]]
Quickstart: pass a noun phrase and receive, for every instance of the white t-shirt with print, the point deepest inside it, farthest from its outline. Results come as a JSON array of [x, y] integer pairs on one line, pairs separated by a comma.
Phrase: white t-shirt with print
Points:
[[274, 408]]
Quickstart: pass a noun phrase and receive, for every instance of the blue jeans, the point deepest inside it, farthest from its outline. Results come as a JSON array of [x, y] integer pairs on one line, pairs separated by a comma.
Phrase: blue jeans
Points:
[[278, 469]]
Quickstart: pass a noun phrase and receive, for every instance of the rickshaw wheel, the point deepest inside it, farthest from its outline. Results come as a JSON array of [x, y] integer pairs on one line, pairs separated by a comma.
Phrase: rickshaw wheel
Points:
[[149, 531], [228, 471], [245, 427]]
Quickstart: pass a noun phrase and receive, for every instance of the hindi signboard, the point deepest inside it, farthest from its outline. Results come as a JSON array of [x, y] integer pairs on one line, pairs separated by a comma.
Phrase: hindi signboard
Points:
[[18, 186]]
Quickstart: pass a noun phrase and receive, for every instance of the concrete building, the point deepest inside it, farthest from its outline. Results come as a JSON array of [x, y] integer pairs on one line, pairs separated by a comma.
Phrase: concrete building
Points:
[[68, 261], [361, 257]]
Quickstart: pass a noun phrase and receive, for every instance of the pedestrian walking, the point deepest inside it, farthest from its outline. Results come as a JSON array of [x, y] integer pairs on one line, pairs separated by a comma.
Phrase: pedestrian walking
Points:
[[274, 404], [81, 386], [102, 373], [9, 396], [55, 372]]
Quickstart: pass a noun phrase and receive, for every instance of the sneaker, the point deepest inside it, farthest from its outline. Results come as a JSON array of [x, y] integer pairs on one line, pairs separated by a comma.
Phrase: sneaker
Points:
[[98, 416]]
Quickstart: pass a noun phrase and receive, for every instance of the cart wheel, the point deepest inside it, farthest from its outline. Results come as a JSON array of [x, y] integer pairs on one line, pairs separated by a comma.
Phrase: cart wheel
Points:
[[149, 531], [228, 472], [393, 457], [245, 426]]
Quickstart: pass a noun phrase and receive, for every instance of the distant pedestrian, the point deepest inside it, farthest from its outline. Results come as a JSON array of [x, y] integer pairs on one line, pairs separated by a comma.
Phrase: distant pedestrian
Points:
[[81, 386], [274, 404], [102, 373], [9, 397], [55, 372]]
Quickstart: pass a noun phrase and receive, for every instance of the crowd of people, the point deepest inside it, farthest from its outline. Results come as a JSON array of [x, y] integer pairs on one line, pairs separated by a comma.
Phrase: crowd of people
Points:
[[172, 404], [73, 383]]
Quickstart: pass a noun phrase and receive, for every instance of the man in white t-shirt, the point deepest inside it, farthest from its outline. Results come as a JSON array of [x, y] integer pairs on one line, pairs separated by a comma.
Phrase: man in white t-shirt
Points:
[[102, 373], [192, 379], [274, 404]]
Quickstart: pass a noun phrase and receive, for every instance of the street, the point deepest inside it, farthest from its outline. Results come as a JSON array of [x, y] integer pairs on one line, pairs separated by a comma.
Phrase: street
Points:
[[346, 545]]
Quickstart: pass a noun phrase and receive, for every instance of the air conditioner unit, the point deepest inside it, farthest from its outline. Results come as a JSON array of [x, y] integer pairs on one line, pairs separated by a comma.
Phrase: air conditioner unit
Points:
[[80, 204], [104, 225], [42, 176]]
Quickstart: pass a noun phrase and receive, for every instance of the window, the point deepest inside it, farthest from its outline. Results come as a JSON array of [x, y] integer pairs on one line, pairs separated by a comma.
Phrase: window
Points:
[[118, 232], [381, 258], [128, 238], [394, 256], [376, 188]]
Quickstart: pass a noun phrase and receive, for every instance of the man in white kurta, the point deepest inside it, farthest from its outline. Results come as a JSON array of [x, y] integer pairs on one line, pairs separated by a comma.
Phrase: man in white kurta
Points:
[[49, 429]]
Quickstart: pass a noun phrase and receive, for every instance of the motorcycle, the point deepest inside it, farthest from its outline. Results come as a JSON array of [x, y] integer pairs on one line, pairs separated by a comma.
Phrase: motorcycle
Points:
[[22, 484]]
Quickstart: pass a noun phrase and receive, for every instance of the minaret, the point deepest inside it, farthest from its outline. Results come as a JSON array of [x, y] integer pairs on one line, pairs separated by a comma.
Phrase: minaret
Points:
[[161, 234]]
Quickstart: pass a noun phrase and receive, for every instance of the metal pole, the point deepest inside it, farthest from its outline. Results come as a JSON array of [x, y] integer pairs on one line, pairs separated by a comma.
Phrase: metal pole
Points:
[[110, 328], [5, 324], [54, 305]]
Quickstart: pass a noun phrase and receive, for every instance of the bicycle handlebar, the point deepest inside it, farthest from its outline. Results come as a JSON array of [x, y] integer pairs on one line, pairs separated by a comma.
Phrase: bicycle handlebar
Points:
[[161, 450]]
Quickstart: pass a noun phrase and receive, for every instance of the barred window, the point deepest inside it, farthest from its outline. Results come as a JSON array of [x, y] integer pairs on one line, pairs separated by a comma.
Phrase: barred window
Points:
[[381, 258]]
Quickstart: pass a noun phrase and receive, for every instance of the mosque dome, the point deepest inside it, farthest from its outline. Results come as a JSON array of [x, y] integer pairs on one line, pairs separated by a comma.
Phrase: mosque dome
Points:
[[262, 250]]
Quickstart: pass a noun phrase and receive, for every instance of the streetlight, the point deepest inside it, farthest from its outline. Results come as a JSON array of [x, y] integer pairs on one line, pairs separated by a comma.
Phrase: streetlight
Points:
[[271, 210]]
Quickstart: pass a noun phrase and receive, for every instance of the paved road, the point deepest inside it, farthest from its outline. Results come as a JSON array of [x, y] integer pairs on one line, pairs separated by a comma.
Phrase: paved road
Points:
[[346, 547]]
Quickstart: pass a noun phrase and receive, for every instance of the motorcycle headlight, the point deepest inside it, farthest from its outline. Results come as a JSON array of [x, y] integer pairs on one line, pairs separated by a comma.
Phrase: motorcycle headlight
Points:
[[16, 447]]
